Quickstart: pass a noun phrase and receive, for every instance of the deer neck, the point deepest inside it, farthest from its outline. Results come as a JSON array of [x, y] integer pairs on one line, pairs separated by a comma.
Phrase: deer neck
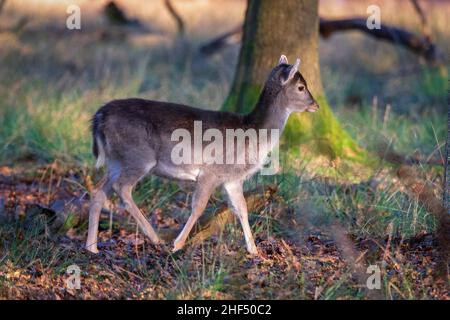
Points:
[[268, 113]]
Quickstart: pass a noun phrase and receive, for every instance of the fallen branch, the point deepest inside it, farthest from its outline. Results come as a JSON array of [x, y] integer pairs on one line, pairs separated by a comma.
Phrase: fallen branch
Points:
[[226, 39], [115, 16], [176, 17], [423, 18], [422, 46], [19, 25]]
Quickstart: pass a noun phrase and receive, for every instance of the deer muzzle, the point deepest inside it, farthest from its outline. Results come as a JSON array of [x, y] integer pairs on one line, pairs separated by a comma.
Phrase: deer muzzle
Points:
[[313, 107]]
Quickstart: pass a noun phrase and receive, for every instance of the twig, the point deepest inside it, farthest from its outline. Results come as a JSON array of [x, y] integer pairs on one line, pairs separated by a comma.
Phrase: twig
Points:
[[20, 24], [176, 16], [423, 18]]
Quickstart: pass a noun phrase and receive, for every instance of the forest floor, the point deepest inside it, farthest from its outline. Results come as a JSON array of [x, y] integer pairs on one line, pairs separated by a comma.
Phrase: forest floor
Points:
[[43, 230], [318, 237]]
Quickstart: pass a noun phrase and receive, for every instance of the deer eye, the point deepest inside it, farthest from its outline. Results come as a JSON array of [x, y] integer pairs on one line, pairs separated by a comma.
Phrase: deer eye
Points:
[[301, 88]]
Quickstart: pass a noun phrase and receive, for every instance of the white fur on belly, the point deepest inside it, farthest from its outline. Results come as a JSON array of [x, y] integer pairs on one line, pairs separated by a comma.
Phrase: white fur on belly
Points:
[[179, 173]]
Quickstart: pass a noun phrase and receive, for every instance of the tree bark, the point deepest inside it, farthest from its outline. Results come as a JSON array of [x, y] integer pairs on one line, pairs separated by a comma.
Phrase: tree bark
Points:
[[289, 27]]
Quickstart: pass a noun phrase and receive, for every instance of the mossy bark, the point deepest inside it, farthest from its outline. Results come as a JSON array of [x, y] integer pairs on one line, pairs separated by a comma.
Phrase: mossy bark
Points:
[[289, 27]]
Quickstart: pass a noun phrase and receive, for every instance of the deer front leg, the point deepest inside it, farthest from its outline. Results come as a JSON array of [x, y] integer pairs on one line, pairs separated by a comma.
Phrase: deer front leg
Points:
[[203, 191], [239, 206]]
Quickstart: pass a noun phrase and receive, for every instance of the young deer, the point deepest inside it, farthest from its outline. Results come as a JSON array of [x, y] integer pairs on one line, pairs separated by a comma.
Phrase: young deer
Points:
[[134, 137]]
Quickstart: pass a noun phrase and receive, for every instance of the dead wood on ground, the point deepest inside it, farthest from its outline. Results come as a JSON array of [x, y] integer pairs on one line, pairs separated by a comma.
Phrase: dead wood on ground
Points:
[[420, 45]]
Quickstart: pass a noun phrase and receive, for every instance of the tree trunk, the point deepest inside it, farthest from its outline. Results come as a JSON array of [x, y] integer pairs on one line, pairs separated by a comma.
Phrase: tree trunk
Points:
[[289, 27]]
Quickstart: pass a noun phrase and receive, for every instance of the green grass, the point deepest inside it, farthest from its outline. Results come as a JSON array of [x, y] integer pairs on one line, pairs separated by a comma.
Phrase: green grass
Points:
[[415, 131]]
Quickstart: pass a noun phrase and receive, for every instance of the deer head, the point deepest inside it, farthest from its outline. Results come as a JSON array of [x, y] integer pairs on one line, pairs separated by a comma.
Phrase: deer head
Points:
[[293, 93]]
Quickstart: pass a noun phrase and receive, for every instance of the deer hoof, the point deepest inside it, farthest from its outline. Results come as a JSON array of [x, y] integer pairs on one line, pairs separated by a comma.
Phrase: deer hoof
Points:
[[177, 246], [157, 241], [253, 251], [92, 249]]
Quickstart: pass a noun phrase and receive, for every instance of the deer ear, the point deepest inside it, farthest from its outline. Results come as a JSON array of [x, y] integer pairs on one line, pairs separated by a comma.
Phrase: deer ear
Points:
[[294, 68], [293, 71], [283, 60]]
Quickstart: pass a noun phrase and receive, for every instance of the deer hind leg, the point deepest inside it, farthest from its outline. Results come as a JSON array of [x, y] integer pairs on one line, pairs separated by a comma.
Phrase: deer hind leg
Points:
[[204, 188], [97, 202], [239, 206], [124, 187]]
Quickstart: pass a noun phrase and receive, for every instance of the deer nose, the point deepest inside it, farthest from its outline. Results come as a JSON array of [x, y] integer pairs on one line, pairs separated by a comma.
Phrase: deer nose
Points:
[[313, 107]]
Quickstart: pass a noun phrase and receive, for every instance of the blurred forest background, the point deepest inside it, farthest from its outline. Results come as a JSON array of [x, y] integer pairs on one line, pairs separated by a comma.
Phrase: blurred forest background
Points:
[[317, 234]]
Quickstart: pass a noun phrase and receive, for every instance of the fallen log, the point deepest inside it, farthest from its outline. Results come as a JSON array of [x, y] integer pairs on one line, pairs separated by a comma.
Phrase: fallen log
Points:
[[422, 46]]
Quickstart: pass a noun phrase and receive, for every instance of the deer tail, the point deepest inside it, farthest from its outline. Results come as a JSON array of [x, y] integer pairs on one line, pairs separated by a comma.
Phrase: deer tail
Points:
[[98, 137]]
